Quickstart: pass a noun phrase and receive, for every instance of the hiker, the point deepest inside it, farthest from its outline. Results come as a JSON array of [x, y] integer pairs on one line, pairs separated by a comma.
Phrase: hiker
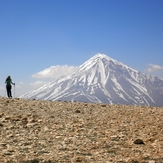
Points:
[[8, 86]]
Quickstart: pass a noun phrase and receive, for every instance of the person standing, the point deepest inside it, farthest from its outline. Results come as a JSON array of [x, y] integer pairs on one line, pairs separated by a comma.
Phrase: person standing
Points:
[[8, 86]]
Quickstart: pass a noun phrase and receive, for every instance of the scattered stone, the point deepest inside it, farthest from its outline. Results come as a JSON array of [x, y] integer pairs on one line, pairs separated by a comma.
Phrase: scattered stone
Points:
[[31, 161], [114, 138], [7, 118], [30, 125], [77, 111], [24, 120], [151, 161], [138, 141], [32, 120], [8, 153], [78, 159], [3, 144], [103, 105], [46, 128]]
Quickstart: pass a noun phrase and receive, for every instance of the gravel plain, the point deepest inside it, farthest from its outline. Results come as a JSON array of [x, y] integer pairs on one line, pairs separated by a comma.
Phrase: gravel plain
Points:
[[36, 131]]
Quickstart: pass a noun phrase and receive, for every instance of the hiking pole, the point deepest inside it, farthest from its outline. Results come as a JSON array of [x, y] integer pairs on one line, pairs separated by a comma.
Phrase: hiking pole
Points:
[[14, 90], [5, 93]]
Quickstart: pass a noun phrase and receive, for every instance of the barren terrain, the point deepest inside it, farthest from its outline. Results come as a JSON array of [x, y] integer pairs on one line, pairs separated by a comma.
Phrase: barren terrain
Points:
[[35, 131]]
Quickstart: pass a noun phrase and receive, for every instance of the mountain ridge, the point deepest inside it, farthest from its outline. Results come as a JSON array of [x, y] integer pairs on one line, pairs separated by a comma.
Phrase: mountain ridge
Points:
[[102, 79]]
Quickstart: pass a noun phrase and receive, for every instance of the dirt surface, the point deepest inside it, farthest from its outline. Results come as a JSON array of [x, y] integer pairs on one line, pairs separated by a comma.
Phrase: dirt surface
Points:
[[33, 131]]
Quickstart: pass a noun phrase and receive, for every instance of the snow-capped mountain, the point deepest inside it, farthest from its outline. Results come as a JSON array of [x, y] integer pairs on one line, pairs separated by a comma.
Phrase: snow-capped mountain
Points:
[[102, 79]]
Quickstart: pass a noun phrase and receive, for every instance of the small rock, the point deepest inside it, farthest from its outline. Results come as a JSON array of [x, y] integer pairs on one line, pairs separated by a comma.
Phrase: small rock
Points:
[[138, 141], [114, 138], [31, 120], [24, 120], [7, 118], [77, 111], [3, 144], [103, 105], [78, 159], [151, 161], [30, 125], [46, 128], [8, 153]]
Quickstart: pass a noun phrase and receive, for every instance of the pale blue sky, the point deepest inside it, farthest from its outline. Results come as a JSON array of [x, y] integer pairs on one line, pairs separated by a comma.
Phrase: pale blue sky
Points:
[[38, 35]]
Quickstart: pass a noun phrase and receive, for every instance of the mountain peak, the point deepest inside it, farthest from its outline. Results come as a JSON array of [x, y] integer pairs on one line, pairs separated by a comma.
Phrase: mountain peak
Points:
[[94, 60], [99, 60], [101, 56]]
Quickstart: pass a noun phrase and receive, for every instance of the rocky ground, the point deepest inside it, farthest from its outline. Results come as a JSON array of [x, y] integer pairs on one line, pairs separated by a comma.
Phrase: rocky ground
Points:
[[33, 131]]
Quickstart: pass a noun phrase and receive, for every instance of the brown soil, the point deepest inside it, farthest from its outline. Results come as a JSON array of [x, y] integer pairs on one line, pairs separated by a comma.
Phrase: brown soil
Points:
[[35, 131]]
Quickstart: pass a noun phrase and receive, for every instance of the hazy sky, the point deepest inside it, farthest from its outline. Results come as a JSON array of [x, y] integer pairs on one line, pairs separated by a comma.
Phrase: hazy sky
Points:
[[43, 39]]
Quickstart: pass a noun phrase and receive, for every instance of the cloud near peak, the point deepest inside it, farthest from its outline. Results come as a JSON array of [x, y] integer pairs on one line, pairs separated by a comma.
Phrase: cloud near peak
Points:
[[54, 72], [153, 68]]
